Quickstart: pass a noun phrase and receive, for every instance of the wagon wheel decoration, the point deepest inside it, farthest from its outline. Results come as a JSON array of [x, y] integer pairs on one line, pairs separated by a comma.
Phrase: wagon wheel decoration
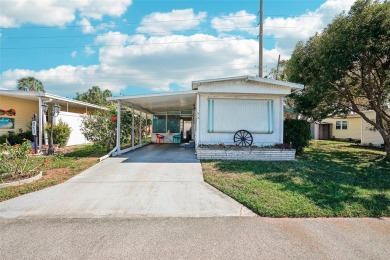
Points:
[[243, 138]]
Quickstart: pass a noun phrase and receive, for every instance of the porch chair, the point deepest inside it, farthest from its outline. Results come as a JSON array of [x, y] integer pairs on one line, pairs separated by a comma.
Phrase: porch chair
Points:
[[160, 138]]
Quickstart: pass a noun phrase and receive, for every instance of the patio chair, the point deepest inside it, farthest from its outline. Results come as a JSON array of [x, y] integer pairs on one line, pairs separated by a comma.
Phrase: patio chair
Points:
[[160, 138]]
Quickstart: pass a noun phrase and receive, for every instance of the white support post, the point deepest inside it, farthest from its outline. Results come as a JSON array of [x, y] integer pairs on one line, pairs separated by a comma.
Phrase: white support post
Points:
[[40, 124], [140, 128], [281, 120], [197, 126], [118, 128], [132, 127]]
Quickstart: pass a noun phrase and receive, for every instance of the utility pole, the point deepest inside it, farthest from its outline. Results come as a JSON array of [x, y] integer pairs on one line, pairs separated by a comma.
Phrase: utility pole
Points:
[[277, 68], [261, 39]]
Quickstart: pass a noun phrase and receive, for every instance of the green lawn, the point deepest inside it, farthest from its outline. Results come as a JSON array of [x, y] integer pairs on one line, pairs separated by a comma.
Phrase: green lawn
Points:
[[57, 169], [332, 179]]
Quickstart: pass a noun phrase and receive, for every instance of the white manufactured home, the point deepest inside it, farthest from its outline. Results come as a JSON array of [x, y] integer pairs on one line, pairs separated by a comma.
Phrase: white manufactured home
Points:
[[214, 110]]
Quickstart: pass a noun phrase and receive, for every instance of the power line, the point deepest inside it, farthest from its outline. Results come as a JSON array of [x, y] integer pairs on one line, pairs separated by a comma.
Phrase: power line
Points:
[[227, 29], [117, 45], [110, 23]]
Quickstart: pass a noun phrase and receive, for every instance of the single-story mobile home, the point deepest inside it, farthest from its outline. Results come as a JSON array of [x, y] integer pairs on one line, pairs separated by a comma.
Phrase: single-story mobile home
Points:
[[216, 111], [18, 107]]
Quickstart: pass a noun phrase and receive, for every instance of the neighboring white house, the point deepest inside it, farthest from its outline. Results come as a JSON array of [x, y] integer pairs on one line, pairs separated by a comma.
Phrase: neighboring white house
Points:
[[217, 109], [27, 103]]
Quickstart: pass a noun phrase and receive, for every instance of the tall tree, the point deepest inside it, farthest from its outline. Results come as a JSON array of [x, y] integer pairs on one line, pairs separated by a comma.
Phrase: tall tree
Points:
[[30, 84], [346, 68], [95, 95], [279, 73]]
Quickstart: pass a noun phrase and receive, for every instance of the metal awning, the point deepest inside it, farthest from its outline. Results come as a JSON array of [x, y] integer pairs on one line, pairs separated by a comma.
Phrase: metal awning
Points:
[[155, 103]]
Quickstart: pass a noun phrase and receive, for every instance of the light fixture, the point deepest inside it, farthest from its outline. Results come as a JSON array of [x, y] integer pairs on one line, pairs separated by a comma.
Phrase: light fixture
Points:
[[45, 107], [56, 110]]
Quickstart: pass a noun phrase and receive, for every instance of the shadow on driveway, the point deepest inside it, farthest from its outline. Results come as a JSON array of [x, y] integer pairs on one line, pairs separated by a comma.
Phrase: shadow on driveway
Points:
[[161, 153]]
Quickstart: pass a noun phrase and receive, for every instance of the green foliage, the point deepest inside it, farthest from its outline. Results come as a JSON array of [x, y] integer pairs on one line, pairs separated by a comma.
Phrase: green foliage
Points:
[[332, 179], [279, 73], [297, 132], [15, 160], [19, 138], [61, 133], [95, 95], [64, 166], [100, 129], [30, 84], [346, 68], [3, 139]]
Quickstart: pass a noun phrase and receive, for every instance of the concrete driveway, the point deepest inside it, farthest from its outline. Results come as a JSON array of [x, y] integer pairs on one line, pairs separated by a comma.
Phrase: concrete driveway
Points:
[[154, 181]]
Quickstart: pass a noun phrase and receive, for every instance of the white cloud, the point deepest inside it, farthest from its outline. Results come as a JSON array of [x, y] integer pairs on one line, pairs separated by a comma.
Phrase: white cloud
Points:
[[57, 12], [288, 31], [155, 63], [176, 20], [241, 21], [73, 54], [88, 28], [88, 50], [65, 80], [161, 62]]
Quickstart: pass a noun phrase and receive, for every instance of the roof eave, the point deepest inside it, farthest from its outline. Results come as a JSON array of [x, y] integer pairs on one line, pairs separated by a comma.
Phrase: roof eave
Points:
[[295, 86]]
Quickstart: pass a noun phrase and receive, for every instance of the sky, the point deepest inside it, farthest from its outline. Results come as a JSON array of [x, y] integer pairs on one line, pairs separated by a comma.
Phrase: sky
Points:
[[149, 46]]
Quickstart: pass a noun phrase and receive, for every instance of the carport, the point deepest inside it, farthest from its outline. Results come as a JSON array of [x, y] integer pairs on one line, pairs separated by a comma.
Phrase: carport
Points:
[[167, 111]]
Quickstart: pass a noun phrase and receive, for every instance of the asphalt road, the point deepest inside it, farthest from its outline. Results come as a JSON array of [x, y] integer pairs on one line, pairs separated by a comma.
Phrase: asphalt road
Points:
[[195, 238]]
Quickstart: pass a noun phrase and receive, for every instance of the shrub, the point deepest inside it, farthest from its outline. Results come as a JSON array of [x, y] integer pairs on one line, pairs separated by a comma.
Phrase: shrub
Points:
[[61, 132], [297, 132], [15, 160], [3, 139], [16, 138]]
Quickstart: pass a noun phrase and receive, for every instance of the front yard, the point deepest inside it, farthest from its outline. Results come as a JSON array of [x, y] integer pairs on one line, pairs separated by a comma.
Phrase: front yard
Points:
[[332, 179], [57, 169]]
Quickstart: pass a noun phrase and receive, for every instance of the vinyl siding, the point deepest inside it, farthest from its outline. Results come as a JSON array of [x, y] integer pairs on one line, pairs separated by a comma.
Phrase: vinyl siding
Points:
[[25, 109], [228, 119], [243, 87], [353, 131]]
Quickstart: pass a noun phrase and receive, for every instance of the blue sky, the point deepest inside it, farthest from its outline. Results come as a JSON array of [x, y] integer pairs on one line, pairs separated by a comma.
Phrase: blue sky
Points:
[[147, 46]]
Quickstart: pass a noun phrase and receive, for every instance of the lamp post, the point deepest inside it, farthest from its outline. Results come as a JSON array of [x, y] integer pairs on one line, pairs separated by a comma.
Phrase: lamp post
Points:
[[55, 110]]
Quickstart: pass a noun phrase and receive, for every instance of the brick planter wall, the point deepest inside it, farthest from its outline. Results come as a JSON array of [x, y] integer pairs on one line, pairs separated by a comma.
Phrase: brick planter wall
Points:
[[265, 154]]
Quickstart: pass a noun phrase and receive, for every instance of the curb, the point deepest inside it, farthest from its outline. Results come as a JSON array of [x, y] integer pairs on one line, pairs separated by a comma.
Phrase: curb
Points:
[[17, 183]]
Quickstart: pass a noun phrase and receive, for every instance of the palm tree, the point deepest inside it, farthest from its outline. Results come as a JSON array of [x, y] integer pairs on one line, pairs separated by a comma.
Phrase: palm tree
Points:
[[30, 84]]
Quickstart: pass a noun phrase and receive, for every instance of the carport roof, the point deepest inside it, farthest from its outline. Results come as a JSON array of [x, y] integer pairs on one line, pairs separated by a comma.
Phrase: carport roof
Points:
[[154, 103], [34, 96]]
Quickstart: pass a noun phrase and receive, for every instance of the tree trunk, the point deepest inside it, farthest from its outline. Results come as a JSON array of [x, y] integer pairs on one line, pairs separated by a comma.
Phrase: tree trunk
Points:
[[387, 147]]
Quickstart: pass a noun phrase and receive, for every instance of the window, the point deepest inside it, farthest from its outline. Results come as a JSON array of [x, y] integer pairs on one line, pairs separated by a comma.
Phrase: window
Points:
[[231, 115], [159, 124], [163, 122], [341, 125], [173, 123]]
